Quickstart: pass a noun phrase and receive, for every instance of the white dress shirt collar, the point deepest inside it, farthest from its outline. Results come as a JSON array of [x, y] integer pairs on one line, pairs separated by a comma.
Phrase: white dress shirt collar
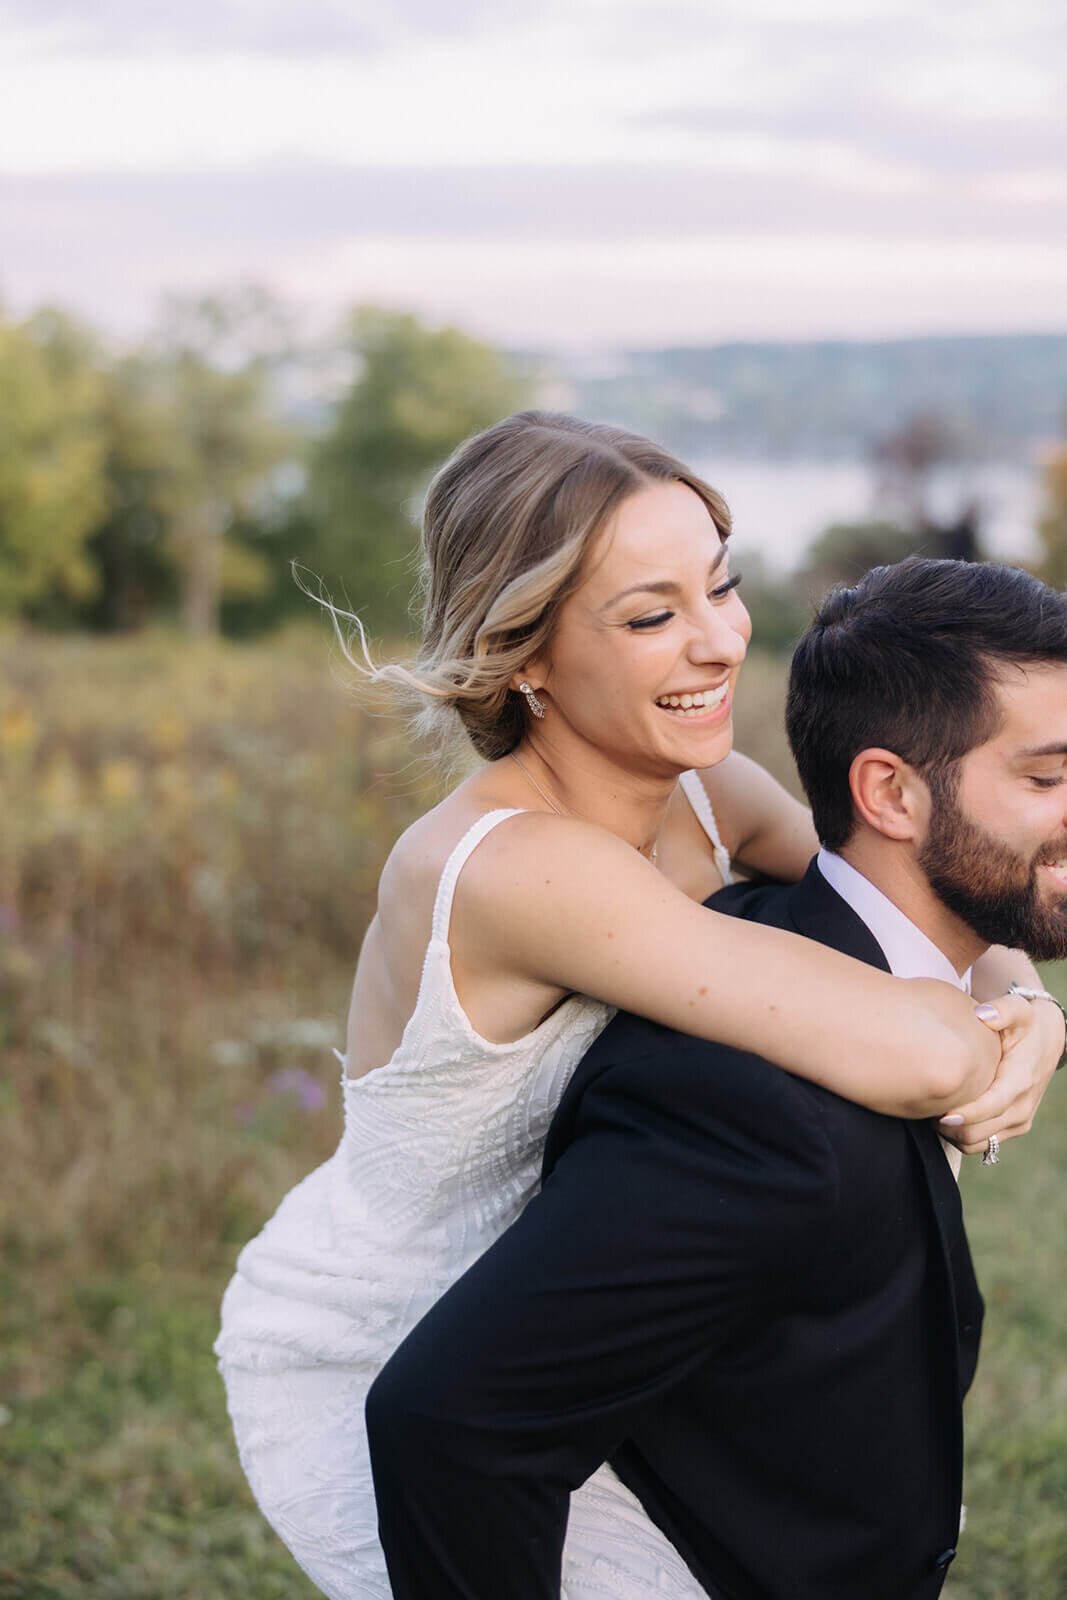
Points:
[[907, 949]]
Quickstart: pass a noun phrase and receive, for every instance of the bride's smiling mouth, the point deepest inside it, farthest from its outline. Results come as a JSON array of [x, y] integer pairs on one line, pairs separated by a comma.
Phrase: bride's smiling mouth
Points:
[[697, 703]]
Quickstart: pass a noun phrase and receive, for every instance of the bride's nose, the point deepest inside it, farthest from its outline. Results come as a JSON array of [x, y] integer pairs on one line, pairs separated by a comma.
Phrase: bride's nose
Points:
[[722, 634]]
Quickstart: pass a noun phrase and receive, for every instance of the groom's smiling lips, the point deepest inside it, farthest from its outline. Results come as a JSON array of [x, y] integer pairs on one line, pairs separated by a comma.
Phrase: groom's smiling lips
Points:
[[1056, 868], [1051, 860]]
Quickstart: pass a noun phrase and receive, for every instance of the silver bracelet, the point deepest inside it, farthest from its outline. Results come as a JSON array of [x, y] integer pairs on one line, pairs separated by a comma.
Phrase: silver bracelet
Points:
[[1042, 994]]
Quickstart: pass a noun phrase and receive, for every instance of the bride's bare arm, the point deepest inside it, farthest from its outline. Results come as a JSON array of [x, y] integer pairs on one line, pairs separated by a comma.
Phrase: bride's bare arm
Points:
[[761, 824], [562, 904]]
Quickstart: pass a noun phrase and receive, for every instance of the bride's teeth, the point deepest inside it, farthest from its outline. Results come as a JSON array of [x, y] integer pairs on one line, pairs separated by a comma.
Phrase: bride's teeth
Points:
[[693, 704]]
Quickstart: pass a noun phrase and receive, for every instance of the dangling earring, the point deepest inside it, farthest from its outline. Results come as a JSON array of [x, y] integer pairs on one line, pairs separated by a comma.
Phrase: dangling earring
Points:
[[535, 705]]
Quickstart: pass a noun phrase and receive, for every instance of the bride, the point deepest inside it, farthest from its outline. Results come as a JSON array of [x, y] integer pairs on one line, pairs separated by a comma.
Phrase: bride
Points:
[[581, 623]]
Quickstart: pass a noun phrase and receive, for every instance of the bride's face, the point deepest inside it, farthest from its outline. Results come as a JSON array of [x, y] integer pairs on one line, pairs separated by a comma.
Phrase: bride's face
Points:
[[646, 652]]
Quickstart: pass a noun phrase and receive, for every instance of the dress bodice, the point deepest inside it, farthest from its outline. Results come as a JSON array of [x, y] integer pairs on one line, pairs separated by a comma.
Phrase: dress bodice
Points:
[[447, 1136], [441, 1149]]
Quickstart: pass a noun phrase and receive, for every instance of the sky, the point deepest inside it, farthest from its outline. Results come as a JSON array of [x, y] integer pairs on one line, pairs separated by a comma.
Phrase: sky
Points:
[[569, 174]]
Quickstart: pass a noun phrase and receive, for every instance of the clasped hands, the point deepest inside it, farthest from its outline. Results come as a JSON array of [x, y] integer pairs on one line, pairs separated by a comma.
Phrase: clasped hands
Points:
[[1032, 1044]]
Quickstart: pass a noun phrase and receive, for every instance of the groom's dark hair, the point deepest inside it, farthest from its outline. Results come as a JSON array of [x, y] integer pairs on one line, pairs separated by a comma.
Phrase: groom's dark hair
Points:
[[908, 661]]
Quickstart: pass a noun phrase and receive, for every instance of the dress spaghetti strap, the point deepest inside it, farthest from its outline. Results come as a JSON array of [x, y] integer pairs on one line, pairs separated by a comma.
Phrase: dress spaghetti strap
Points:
[[446, 889], [697, 795]]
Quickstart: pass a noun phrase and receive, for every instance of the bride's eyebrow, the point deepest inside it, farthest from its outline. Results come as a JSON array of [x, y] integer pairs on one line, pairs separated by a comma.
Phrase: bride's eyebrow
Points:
[[662, 585]]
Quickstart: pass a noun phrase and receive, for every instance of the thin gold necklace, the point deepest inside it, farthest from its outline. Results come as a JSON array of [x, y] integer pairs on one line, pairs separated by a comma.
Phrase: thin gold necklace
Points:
[[550, 802], [531, 779]]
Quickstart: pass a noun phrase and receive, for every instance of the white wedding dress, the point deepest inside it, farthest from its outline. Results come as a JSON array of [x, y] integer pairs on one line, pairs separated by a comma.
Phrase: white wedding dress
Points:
[[441, 1150]]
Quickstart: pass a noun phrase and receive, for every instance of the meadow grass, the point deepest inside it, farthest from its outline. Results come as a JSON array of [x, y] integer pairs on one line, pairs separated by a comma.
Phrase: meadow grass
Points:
[[189, 848]]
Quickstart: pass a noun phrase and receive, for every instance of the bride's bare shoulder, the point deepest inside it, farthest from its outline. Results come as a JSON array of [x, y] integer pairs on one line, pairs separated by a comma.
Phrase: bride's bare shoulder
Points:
[[417, 860], [511, 859]]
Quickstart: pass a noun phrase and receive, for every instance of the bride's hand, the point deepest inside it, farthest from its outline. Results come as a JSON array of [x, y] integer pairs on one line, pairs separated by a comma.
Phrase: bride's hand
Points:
[[1032, 1042]]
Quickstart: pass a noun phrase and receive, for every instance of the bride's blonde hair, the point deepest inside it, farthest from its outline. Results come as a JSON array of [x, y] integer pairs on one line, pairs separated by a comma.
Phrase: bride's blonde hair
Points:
[[507, 526]]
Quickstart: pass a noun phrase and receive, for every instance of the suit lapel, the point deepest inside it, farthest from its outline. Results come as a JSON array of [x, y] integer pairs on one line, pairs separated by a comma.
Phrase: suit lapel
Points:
[[819, 912]]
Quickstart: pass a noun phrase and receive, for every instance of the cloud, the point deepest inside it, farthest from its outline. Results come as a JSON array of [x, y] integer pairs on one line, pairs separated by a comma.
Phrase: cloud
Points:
[[82, 28], [930, 143], [525, 98], [269, 208], [892, 96], [544, 254], [945, 101]]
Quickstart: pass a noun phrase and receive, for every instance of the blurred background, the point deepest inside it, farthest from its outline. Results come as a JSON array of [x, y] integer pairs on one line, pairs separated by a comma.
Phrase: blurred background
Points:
[[261, 267]]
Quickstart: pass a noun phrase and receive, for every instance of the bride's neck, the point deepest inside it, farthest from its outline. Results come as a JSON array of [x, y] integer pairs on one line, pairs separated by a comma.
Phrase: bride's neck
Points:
[[595, 790]]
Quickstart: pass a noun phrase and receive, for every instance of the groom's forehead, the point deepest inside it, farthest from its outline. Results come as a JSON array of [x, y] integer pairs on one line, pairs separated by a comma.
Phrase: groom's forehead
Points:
[[1031, 703]]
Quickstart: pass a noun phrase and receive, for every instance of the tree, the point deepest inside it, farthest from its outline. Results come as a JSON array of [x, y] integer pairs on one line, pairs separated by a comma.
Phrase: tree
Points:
[[128, 546], [1052, 525], [905, 463], [777, 605], [905, 460], [52, 449], [843, 553], [208, 374], [417, 392]]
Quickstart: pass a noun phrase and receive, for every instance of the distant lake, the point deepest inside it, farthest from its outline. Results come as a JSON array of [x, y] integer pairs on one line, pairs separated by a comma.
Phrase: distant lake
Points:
[[780, 507]]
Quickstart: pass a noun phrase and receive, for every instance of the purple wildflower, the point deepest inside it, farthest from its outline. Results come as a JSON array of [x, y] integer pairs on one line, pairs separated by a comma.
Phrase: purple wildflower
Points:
[[295, 1081]]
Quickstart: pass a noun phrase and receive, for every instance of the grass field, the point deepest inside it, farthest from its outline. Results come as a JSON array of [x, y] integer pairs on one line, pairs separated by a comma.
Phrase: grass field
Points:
[[188, 853]]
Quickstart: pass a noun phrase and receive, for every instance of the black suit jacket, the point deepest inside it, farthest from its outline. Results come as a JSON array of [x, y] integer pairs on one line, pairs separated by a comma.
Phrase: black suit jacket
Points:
[[753, 1297]]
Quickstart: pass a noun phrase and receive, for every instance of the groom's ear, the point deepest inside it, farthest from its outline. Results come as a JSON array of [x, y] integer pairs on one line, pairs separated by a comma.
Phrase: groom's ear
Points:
[[889, 795]]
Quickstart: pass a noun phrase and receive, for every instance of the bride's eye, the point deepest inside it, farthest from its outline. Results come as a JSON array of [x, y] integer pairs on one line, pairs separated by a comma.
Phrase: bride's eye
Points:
[[724, 588], [650, 622]]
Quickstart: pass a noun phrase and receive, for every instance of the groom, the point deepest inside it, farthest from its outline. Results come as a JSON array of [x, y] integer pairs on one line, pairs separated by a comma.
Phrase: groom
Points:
[[754, 1298]]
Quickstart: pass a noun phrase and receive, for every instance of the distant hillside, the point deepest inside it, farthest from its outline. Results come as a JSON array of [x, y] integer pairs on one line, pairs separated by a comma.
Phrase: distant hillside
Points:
[[825, 400]]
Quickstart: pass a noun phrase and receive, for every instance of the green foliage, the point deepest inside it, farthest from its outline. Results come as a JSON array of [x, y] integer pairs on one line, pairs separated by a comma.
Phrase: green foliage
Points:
[[844, 552], [210, 379], [191, 843], [52, 448], [775, 604], [781, 608], [183, 477], [417, 393], [1015, 1546], [119, 1478], [129, 543], [123, 480], [1052, 526]]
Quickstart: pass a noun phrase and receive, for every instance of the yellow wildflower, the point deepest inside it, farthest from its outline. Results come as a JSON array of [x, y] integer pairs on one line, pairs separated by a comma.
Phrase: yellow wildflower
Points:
[[18, 730], [169, 732], [119, 780]]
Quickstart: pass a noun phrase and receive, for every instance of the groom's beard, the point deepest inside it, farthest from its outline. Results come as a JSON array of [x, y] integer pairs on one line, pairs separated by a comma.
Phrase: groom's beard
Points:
[[991, 888]]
